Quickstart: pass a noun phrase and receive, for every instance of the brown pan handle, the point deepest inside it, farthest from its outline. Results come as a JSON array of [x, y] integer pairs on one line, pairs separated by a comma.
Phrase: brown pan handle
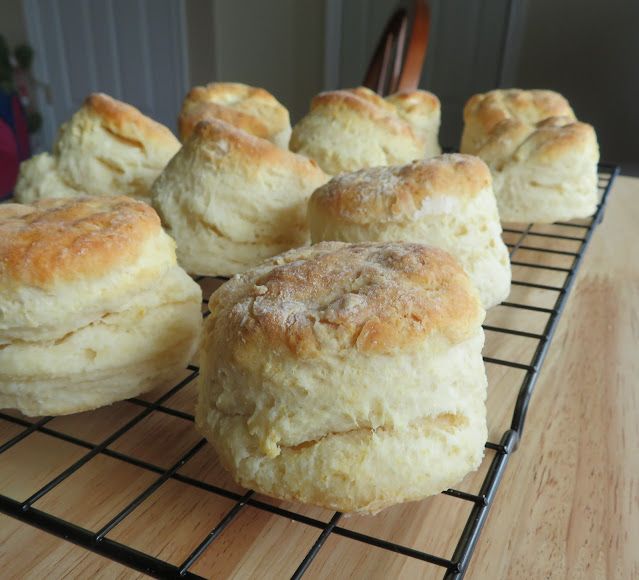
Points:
[[406, 68], [417, 47]]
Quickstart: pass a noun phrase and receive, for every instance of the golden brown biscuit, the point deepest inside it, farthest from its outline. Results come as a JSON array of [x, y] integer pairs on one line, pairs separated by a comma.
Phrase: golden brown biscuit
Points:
[[106, 148], [346, 376], [231, 199], [543, 161], [251, 109], [446, 201], [354, 129], [94, 306]]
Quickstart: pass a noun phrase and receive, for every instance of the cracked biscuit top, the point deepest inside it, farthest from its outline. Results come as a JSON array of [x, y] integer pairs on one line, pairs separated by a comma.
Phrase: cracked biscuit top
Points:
[[251, 109], [491, 108]]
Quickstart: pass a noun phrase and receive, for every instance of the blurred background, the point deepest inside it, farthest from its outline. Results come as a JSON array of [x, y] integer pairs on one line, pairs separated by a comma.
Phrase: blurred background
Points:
[[149, 52]]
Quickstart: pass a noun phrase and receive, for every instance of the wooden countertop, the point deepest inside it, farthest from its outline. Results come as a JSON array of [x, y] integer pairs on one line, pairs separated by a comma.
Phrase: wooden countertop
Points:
[[568, 506]]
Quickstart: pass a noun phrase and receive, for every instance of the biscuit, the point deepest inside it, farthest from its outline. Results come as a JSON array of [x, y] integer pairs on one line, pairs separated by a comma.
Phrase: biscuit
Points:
[[354, 129], [231, 199], [543, 161], [94, 306], [106, 148], [445, 201], [346, 376], [251, 109]]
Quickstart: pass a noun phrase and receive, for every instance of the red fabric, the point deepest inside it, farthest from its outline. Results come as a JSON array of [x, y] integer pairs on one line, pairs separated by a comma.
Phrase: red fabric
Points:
[[20, 125], [9, 160]]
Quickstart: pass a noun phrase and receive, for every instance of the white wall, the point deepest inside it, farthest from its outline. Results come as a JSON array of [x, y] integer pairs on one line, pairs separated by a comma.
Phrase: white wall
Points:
[[277, 44], [586, 49]]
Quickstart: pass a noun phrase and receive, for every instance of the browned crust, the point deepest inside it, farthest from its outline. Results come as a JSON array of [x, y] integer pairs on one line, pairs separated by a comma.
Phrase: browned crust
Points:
[[253, 150], [543, 142], [557, 136], [370, 96], [397, 192], [202, 111], [252, 109], [375, 297], [127, 122], [364, 103], [220, 92], [66, 239], [532, 106], [415, 101]]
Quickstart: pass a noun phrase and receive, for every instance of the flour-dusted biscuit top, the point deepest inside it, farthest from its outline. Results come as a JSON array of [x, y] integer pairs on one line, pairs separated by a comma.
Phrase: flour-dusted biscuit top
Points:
[[346, 376], [400, 192], [106, 148], [94, 308], [231, 199], [446, 201], [251, 109], [335, 296], [352, 129], [543, 161]]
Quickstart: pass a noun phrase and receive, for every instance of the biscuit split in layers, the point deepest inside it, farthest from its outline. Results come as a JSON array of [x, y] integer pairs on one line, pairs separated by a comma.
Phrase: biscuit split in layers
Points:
[[446, 201], [543, 161], [346, 376], [251, 109], [353, 129], [106, 148], [93, 307], [231, 200]]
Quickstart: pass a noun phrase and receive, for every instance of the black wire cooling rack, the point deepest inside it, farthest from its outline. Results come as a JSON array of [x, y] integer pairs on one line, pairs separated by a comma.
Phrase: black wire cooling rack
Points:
[[530, 248]]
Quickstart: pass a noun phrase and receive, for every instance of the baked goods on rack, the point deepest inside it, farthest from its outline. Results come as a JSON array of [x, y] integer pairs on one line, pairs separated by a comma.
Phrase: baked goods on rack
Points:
[[251, 109], [543, 161], [353, 129], [231, 199], [346, 376], [106, 148], [94, 307], [446, 201]]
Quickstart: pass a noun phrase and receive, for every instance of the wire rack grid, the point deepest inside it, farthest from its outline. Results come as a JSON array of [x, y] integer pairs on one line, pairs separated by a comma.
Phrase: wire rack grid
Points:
[[545, 260]]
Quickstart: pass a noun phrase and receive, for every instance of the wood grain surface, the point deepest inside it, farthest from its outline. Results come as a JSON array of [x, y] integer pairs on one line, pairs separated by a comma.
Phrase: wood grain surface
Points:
[[568, 506]]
